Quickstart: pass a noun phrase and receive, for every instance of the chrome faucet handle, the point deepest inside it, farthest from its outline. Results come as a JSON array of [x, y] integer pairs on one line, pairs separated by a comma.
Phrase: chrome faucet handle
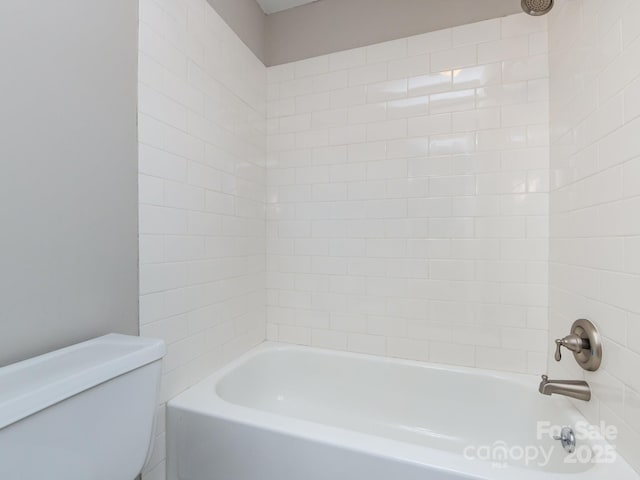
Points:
[[571, 342]]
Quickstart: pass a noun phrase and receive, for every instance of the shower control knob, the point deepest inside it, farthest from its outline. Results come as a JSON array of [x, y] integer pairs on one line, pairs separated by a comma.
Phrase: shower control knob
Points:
[[585, 343], [571, 342]]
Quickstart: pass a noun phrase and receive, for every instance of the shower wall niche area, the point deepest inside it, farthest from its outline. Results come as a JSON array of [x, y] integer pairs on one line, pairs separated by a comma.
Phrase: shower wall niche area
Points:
[[407, 205]]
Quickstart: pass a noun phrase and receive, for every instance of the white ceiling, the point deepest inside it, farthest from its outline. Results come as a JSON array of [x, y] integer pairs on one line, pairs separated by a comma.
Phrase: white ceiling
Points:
[[273, 6]]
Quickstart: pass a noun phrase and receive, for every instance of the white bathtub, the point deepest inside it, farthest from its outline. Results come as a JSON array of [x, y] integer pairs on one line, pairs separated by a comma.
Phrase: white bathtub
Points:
[[296, 413]]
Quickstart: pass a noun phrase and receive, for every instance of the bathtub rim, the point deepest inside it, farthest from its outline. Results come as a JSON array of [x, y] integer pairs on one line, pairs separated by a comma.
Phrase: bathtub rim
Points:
[[193, 400]]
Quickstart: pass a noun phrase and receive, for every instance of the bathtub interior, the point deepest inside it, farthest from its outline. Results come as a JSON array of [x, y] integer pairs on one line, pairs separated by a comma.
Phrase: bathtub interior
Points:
[[441, 408]]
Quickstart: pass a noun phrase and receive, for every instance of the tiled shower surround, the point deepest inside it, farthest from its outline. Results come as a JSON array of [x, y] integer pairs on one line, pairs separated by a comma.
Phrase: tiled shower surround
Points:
[[394, 199], [202, 194], [595, 201], [407, 204]]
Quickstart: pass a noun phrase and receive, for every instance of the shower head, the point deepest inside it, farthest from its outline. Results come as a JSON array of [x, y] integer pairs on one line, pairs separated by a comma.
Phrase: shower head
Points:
[[537, 7]]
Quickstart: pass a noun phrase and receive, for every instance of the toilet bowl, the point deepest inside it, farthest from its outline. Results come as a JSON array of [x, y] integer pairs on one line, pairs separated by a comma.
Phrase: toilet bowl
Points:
[[83, 412]]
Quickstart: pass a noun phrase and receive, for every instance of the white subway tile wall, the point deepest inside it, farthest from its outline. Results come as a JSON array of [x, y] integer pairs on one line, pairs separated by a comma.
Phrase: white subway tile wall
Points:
[[202, 174], [407, 200], [595, 200], [406, 188]]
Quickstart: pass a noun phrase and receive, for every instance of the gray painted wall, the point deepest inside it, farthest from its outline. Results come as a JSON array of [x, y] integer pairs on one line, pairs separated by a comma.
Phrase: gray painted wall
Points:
[[333, 25], [246, 18], [328, 26], [68, 173]]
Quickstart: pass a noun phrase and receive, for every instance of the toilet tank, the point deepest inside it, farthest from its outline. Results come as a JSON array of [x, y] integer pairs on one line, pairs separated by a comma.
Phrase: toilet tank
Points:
[[83, 412]]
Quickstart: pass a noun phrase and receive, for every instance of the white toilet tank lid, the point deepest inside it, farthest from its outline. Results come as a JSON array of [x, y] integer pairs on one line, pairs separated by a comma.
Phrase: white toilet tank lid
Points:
[[40, 382]]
